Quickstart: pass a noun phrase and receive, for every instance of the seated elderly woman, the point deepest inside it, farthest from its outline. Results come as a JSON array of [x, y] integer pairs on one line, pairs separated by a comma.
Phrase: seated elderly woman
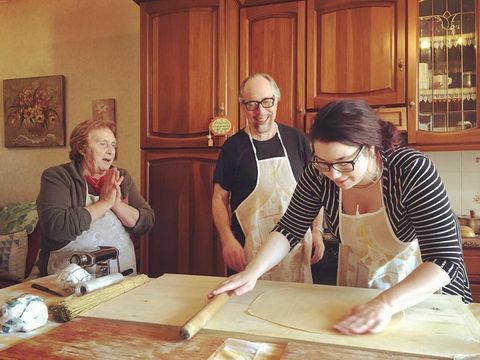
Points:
[[89, 203]]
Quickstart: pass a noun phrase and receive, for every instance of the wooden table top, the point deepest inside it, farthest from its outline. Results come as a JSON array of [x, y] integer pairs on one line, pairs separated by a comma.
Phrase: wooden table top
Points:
[[91, 338], [440, 326], [125, 327]]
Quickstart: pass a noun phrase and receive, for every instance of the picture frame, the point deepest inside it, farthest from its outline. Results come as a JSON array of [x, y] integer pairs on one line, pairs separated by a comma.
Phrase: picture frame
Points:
[[34, 111], [103, 109]]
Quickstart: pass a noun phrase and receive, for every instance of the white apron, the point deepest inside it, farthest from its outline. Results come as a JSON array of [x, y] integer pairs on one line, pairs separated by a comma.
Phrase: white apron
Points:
[[263, 208], [370, 255], [105, 231]]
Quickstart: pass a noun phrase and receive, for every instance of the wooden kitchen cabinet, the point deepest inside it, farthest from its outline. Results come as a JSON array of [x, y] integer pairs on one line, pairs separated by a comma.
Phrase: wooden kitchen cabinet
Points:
[[343, 55], [272, 40], [442, 66], [356, 49], [179, 188], [189, 75], [189, 69], [194, 53], [395, 115], [472, 262]]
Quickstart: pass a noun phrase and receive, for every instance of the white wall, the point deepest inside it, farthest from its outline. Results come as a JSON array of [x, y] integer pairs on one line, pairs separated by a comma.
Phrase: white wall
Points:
[[460, 172], [95, 44]]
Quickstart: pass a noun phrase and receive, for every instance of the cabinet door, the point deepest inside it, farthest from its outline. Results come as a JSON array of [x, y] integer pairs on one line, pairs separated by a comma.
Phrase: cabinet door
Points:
[[185, 81], [395, 115], [442, 66], [179, 187], [472, 263], [272, 40], [355, 49]]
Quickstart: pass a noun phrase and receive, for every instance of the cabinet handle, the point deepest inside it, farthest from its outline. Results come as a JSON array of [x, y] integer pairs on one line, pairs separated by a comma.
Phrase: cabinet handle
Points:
[[301, 110], [401, 64], [411, 104], [221, 110]]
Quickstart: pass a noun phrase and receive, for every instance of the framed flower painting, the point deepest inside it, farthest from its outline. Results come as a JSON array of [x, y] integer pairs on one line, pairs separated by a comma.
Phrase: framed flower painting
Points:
[[34, 111]]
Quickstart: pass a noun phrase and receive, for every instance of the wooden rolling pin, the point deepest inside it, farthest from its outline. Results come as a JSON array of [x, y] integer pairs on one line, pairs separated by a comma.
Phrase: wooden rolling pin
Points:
[[200, 319]]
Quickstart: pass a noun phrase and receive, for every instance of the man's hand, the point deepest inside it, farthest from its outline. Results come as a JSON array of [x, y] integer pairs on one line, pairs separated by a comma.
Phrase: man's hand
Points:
[[318, 246], [234, 255]]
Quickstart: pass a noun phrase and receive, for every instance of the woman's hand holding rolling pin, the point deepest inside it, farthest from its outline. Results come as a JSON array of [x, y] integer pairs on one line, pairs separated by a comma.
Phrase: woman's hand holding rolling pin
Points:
[[239, 284], [273, 250]]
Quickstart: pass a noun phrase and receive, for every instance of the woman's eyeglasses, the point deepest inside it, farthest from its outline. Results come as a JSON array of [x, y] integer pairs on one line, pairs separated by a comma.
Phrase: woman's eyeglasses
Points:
[[342, 166], [253, 105]]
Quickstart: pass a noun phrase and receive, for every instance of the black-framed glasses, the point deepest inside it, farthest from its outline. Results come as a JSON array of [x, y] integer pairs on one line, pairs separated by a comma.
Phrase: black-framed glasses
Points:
[[342, 166], [253, 105]]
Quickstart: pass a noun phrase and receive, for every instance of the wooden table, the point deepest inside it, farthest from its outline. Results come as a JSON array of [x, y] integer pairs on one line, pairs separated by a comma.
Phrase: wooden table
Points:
[[145, 323]]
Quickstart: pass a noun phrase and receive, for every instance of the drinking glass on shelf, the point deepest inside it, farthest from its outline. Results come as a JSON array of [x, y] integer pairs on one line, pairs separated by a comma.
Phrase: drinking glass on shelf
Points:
[[441, 81], [467, 79]]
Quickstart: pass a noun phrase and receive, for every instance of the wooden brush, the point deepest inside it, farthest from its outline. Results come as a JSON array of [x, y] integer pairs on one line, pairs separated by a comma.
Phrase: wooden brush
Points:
[[74, 305]]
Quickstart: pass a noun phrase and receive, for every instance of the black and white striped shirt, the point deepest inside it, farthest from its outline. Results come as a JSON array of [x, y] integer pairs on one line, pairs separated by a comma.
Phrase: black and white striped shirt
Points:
[[416, 203]]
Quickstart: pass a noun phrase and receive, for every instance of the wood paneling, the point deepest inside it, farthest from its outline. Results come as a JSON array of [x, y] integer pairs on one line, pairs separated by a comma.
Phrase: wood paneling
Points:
[[356, 49], [395, 115], [180, 188], [189, 75], [193, 55], [272, 40], [186, 60], [186, 75], [472, 263]]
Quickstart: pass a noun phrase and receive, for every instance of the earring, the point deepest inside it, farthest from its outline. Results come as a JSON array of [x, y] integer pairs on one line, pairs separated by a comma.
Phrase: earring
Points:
[[375, 174]]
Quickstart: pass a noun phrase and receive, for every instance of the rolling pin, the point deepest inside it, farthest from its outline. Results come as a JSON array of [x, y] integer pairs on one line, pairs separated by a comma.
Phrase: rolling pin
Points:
[[200, 319]]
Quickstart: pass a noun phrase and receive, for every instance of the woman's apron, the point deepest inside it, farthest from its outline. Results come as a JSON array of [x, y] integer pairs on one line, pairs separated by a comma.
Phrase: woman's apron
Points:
[[263, 208], [371, 256], [105, 231]]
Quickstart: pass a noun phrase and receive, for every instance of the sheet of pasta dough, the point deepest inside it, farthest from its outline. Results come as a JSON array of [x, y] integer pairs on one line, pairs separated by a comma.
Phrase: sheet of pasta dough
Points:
[[308, 309]]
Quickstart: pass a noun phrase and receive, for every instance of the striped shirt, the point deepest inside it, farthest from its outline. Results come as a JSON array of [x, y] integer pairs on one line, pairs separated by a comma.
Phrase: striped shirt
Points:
[[416, 203]]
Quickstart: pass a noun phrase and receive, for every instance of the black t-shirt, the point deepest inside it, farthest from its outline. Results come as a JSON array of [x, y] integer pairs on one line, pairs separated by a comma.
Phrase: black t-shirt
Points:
[[236, 169]]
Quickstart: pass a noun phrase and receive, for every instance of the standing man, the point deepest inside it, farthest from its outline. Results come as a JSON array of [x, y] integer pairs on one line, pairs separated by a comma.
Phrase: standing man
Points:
[[256, 174]]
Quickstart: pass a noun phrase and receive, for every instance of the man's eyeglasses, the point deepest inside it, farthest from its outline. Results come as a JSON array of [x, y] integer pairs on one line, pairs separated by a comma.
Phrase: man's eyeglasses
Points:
[[253, 105], [342, 166]]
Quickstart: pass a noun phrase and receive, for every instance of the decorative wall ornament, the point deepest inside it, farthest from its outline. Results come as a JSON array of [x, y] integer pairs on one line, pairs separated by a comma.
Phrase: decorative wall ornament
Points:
[[103, 109], [476, 198], [34, 111]]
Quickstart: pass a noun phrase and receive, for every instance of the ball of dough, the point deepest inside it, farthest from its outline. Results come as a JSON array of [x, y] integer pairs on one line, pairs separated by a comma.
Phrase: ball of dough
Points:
[[467, 231]]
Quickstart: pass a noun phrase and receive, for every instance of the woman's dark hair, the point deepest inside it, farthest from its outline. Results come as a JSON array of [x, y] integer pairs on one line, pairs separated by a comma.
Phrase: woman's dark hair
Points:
[[354, 123]]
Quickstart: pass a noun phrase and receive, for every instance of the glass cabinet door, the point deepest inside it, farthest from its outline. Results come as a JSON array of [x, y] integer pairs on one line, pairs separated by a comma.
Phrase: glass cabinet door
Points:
[[447, 66]]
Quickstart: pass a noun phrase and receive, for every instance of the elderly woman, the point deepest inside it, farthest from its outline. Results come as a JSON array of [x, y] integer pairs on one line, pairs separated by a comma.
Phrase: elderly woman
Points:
[[387, 205], [89, 203]]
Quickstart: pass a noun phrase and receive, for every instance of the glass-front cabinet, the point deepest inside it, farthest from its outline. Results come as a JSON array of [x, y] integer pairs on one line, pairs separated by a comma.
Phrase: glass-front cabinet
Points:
[[443, 98]]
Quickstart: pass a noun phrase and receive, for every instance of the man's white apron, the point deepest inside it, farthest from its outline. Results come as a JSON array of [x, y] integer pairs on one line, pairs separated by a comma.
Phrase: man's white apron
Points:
[[263, 208]]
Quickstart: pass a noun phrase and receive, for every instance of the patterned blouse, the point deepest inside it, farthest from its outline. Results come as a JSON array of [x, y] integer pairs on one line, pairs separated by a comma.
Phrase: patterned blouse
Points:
[[416, 203]]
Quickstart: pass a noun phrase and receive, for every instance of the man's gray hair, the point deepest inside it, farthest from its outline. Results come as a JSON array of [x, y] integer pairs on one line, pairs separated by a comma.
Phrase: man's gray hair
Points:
[[275, 88]]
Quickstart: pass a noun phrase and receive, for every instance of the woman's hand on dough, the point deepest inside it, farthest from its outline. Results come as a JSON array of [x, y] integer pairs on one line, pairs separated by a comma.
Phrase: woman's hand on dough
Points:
[[371, 317]]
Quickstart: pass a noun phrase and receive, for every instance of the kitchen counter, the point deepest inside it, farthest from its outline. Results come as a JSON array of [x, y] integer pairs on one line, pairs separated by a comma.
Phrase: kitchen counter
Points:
[[471, 242], [145, 323]]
